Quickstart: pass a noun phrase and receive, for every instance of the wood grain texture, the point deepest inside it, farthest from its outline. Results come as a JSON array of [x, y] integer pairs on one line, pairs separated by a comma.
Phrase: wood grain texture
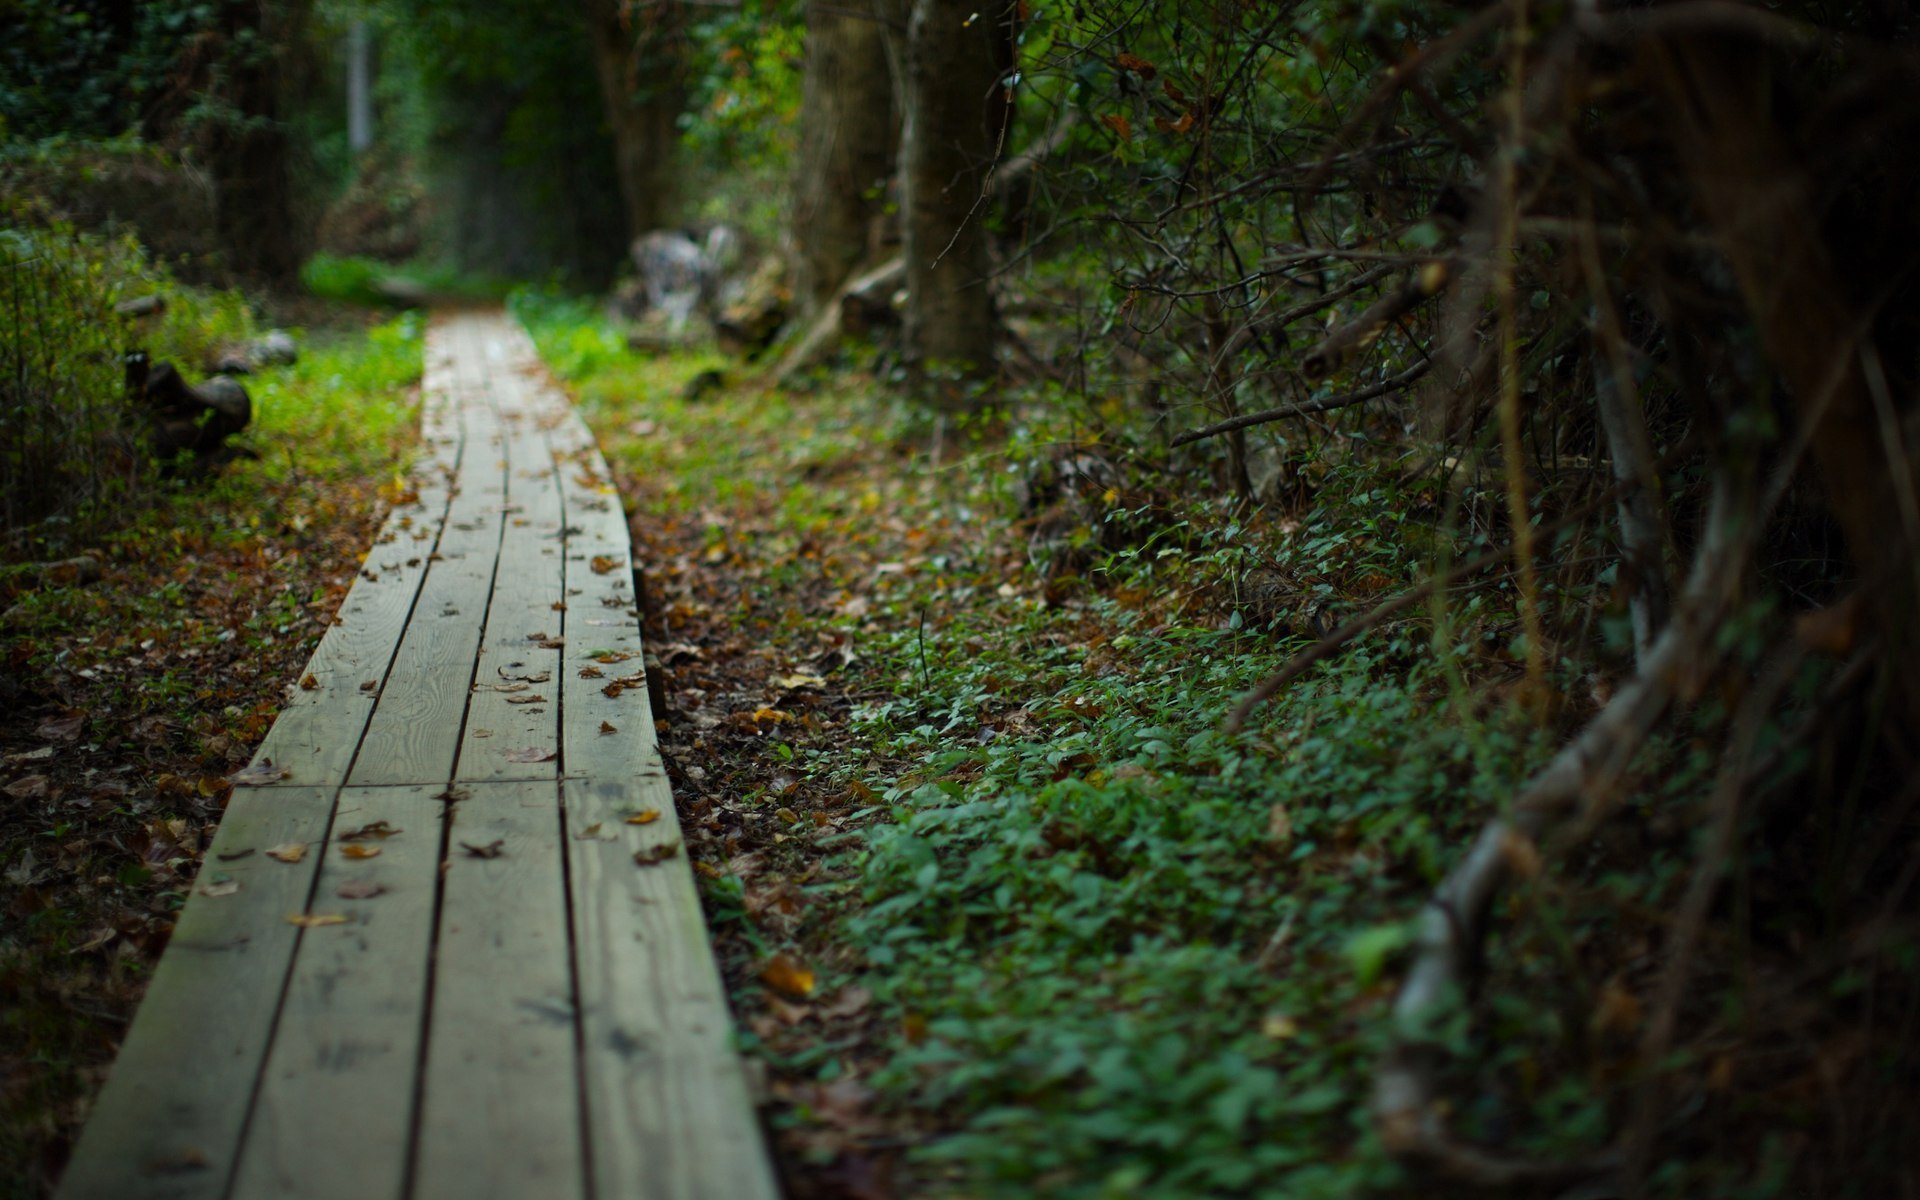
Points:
[[501, 1103], [334, 1112], [168, 1123], [671, 1118]]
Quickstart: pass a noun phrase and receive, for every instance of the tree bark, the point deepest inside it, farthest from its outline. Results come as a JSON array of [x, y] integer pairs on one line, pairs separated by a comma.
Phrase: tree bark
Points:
[[849, 131], [249, 151], [643, 92], [1756, 193], [957, 109]]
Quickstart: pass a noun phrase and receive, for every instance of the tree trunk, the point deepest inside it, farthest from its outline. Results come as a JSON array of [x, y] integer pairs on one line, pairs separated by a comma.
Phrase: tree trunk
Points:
[[643, 93], [359, 88], [1756, 192], [249, 152], [957, 109], [849, 130]]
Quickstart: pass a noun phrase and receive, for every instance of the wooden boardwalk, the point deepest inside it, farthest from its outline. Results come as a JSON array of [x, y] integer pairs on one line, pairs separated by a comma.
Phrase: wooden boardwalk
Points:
[[445, 944]]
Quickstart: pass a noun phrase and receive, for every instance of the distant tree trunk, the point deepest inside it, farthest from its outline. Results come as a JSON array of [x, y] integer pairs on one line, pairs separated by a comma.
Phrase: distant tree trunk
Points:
[[359, 88], [957, 109], [249, 150], [849, 130], [643, 90]]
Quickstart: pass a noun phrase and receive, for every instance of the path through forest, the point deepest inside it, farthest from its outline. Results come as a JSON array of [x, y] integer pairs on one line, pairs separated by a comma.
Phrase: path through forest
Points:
[[445, 942]]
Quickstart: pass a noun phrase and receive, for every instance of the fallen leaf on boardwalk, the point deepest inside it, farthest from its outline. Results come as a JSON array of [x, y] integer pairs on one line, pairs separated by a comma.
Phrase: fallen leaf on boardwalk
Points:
[[602, 564], [366, 833], [490, 850], [367, 685], [357, 850], [536, 677], [262, 772], [483, 733], [607, 727], [28, 787], [451, 795], [610, 656], [592, 673], [532, 754], [308, 682], [558, 606], [536, 698], [60, 729], [787, 975], [552, 643], [316, 920], [653, 855], [233, 855], [644, 817], [359, 889], [219, 887], [590, 832], [288, 852]]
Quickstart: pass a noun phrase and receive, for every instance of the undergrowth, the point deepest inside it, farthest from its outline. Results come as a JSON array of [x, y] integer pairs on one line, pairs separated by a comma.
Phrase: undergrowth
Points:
[[1062, 935]]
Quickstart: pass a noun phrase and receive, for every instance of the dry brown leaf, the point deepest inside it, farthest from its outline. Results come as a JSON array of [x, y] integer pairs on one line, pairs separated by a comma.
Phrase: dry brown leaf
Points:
[[653, 855], [262, 772], [308, 682], [380, 830], [602, 564], [532, 754], [60, 729], [359, 850], [607, 727], [490, 850], [219, 887], [288, 852], [317, 920], [787, 975], [536, 698], [29, 787]]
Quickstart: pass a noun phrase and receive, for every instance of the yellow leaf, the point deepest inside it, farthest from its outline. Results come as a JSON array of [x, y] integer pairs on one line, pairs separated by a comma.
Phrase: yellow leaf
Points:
[[645, 817], [358, 850], [788, 975], [316, 920], [290, 852]]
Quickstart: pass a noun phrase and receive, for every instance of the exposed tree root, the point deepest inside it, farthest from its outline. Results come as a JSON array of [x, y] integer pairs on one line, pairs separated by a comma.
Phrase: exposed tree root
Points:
[[1583, 773]]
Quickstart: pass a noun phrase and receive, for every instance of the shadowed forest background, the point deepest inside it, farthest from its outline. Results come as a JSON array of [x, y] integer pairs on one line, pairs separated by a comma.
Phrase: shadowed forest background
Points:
[[1256, 599]]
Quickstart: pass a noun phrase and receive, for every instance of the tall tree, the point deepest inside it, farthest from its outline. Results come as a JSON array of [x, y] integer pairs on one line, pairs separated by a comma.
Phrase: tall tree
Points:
[[957, 108], [849, 131], [643, 88]]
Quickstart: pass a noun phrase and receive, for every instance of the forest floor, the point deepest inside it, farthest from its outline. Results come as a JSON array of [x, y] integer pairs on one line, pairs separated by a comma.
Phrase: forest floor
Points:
[[1002, 909], [132, 696]]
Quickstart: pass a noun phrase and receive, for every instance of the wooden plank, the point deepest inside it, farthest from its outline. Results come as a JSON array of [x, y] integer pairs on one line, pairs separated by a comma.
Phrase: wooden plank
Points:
[[525, 628], [314, 736], [669, 1113], [414, 734], [334, 1111], [500, 1113], [168, 1123]]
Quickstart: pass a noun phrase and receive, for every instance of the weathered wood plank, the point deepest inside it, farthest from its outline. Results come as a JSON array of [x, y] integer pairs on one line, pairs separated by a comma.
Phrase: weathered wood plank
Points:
[[669, 1111], [334, 1113], [501, 1103], [314, 736], [525, 629], [414, 734], [169, 1121]]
